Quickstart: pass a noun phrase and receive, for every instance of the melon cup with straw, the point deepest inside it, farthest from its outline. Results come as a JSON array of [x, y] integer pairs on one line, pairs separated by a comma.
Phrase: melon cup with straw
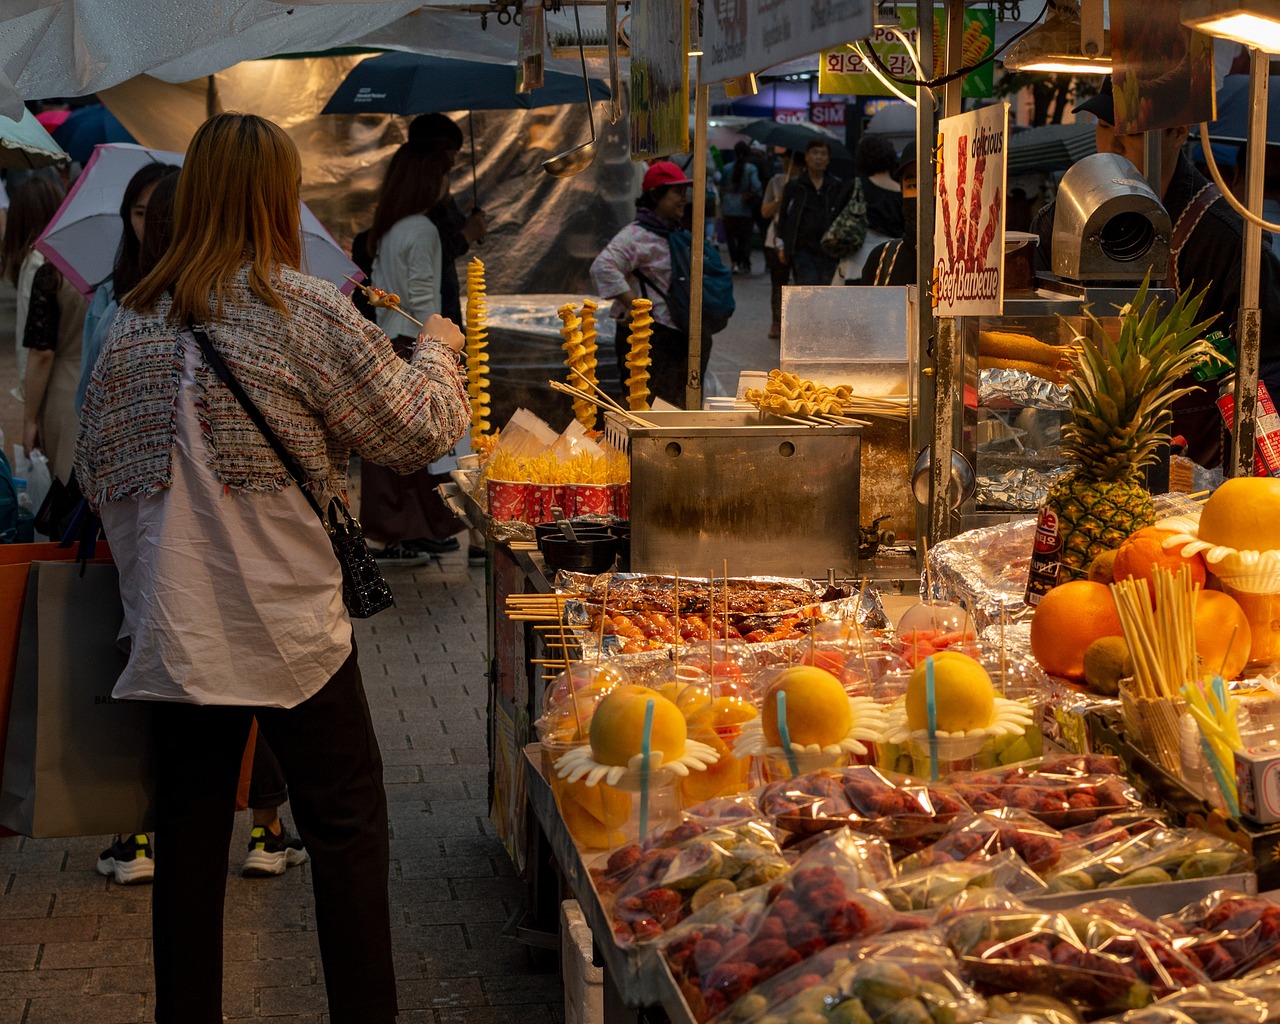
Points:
[[638, 751]]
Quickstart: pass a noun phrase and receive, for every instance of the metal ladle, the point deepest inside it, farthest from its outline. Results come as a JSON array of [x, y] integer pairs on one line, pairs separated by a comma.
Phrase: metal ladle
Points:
[[573, 161]]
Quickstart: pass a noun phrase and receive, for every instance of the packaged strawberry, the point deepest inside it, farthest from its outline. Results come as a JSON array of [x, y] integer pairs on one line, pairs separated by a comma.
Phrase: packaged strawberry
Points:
[[726, 949], [1130, 855], [924, 888], [898, 808], [1231, 932], [1251, 1000], [911, 977], [1058, 790], [1091, 959], [648, 891], [981, 836], [722, 811]]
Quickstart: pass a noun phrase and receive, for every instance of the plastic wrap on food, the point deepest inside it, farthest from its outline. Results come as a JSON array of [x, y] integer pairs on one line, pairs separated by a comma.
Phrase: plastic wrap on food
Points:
[[986, 569], [933, 885], [998, 387], [1060, 790], [1232, 933]]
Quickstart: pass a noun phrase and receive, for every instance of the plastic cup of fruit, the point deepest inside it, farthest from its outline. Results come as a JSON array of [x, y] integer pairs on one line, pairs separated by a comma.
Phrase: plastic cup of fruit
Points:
[[583, 676], [716, 713], [932, 615], [775, 767], [604, 817], [1258, 595], [731, 658], [874, 673]]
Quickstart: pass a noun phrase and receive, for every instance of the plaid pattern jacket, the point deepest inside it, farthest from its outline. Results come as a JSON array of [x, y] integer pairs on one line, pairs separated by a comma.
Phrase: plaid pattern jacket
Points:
[[326, 379]]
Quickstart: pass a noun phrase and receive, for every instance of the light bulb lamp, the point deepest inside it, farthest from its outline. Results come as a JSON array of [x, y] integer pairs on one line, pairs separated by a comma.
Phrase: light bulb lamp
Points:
[[1060, 46], [1255, 23]]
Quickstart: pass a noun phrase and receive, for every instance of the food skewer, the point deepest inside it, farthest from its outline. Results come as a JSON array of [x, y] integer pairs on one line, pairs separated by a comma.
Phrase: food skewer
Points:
[[379, 299], [604, 399]]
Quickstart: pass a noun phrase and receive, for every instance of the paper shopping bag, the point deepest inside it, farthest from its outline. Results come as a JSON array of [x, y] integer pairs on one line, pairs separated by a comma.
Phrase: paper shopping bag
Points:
[[77, 762]]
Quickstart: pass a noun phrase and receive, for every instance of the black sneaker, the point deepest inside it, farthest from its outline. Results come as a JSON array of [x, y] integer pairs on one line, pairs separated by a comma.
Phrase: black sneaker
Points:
[[271, 854], [433, 547], [400, 554], [128, 861]]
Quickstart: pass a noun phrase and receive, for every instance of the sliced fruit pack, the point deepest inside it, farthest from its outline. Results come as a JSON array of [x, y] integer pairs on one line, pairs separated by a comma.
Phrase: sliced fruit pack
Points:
[[1060, 791], [722, 952], [895, 807], [909, 977], [1231, 932], [981, 836], [927, 887], [647, 891], [1100, 961], [1131, 855]]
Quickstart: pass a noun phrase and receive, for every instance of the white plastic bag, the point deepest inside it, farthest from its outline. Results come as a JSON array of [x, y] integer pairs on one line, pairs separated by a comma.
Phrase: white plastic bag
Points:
[[39, 478]]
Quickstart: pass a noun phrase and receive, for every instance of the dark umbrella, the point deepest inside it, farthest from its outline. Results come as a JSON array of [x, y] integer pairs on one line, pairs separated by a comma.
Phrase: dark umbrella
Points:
[[1232, 124], [87, 127], [417, 83], [792, 136], [1051, 147]]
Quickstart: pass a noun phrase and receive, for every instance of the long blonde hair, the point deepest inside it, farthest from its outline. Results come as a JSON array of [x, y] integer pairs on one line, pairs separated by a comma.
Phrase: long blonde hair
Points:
[[237, 203]]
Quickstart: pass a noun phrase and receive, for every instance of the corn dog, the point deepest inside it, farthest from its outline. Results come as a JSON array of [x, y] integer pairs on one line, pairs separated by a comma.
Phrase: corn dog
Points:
[[1012, 345]]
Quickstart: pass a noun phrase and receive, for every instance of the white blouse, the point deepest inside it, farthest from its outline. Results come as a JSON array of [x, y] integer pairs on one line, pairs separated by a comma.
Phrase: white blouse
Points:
[[230, 596]]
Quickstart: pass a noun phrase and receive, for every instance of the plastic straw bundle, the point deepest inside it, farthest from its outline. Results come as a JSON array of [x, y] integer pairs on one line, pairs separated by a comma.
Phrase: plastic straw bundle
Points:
[[477, 357], [638, 360], [577, 358]]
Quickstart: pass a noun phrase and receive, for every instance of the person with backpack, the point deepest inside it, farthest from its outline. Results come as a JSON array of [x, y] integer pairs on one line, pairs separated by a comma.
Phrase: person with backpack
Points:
[[810, 203], [649, 259]]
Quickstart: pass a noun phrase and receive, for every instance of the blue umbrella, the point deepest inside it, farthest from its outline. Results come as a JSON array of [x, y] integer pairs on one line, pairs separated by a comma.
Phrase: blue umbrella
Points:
[[87, 127], [417, 83], [25, 143]]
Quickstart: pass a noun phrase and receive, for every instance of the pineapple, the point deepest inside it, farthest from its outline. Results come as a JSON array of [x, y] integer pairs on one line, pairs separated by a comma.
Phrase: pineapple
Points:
[[1121, 398]]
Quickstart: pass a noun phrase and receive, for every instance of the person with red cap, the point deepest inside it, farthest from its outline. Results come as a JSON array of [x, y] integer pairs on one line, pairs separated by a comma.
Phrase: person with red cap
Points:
[[1206, 249], [636, 263]]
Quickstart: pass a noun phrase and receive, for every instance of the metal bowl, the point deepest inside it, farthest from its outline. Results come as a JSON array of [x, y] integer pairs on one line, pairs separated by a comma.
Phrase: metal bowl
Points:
[[963, 480]]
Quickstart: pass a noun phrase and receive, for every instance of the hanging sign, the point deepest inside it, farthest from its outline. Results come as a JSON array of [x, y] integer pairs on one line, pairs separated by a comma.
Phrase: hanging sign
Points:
[[741, 36], [968, 236], [841, 72], [659, 79], [1162, 71]]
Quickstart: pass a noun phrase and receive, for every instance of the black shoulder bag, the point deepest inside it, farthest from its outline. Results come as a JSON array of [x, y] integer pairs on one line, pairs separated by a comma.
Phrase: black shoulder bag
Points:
[[364, 591]]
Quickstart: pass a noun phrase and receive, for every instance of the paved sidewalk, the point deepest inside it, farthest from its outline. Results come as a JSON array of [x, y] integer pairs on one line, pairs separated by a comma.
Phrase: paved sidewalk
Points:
[[75, 947]]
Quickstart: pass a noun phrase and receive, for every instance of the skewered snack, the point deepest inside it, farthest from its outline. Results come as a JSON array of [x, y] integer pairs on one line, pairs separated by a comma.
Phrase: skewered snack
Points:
[[654, 630], [638, 359], [743, 596], [1013, 345], [787, 394], [577, 358], [382, 300], [589, 349], [1050, 373], [477, 357]]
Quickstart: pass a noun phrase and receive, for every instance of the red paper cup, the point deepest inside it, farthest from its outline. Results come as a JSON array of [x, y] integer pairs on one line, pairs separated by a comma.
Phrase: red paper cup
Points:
[[542, 499], [507, 499], [591, 499], [621, 500]]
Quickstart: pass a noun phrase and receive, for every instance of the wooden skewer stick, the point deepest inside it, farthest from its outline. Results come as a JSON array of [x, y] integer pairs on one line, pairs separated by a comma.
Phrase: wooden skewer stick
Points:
[[599, 396], [569, 389], [603, 619], [371, 296]]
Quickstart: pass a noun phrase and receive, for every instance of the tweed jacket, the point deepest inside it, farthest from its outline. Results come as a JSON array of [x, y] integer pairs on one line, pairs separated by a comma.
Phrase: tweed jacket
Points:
[[326, 379]]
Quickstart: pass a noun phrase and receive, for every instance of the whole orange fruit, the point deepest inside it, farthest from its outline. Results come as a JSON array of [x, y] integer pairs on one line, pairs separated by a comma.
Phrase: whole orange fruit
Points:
[[1223, 636], [1243, 513], [1067, 620], [817, 708], [617, 727], [1144, 550]]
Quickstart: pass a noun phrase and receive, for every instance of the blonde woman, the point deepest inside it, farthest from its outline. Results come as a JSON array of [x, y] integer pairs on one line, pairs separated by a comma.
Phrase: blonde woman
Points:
[[232, 594]]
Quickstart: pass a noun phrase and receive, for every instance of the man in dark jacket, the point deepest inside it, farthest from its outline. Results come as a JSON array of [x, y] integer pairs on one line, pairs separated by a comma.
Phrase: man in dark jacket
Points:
[[1209, 256], [809, 205]]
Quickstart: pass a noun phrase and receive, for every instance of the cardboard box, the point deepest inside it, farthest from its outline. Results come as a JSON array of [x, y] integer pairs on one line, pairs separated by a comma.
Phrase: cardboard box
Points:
[[1258, 783]]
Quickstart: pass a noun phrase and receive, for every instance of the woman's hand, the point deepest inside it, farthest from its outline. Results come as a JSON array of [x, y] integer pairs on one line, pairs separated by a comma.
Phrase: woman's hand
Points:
[[443, 330]]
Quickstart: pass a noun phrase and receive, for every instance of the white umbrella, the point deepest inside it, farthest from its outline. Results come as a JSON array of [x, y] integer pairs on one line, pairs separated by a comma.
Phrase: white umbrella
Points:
[[82, 238]]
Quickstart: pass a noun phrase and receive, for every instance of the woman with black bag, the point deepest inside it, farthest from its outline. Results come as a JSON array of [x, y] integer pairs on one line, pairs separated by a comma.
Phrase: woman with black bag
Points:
[[233, 594]]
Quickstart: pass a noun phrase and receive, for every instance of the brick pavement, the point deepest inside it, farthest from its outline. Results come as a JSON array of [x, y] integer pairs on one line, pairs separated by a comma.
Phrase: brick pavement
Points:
[[76, 948]]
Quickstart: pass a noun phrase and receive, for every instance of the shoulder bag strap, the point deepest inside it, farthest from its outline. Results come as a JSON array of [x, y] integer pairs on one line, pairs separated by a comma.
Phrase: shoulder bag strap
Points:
[[1186, 223], [223, 371], [883, 273]]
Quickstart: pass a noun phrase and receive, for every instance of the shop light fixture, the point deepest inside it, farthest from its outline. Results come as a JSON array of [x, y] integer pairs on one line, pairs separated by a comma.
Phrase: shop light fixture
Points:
[[1255, 23], [1059, 45]]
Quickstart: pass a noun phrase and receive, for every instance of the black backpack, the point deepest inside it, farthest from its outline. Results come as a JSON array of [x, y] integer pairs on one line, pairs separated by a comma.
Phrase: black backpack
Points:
[[717, 282]]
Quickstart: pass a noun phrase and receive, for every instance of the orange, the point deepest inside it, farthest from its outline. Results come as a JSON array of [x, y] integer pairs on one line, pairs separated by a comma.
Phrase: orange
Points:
[[1067, 620], [817, 707], [1223, 636], [617, 727], [1144, 550], [964, 698], [594, 814], [1243, 513]]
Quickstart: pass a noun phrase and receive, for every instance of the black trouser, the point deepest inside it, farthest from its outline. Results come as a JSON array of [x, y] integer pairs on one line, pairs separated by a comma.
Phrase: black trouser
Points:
[[329, 753], [669, 366], [737, 232], [267, 786], [779, 274]]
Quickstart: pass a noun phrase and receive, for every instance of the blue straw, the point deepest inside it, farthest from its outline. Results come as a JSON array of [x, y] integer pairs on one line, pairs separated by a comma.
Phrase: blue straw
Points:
[[1219, 773], [645, 740], [931, 704], [1220, 691], [784, 733]]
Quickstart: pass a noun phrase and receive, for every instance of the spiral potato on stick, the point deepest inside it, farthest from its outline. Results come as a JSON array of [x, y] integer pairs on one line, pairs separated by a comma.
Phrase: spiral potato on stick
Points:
[[477, 343], [576, 359], [638, 345]]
